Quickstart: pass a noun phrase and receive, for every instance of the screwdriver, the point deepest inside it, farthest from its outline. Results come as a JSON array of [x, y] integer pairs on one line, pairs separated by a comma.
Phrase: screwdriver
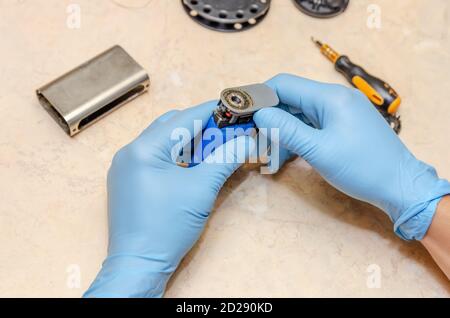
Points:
[[380, 93]]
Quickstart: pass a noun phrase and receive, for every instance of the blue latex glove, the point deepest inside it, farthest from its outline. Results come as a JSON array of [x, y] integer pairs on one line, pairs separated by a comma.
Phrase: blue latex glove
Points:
[[353, 148], [157, 209]]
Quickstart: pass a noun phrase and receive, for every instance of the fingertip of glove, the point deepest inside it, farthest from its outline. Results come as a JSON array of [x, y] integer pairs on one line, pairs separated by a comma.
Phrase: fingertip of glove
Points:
[[262, 113], [262, 117]]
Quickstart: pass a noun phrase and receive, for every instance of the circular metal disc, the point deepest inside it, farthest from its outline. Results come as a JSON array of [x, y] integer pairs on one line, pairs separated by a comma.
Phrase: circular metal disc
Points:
[[237, 99], [322, 8], [228, 15]]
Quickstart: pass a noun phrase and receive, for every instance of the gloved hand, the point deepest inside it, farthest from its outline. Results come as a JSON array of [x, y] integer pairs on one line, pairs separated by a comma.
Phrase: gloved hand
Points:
[[350, 144], [157, 209]]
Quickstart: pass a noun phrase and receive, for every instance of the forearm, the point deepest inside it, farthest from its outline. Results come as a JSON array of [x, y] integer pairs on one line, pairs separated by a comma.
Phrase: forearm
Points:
[[437, 239]]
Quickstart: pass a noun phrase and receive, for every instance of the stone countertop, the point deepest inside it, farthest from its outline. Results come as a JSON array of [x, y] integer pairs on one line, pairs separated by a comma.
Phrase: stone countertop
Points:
[[285, 235]]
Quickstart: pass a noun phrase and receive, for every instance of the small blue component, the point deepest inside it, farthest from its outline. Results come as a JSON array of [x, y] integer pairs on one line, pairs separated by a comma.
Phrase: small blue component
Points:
[[200, 154]]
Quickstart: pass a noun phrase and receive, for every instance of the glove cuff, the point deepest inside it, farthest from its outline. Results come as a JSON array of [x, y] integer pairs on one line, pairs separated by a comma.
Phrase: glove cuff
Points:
[[413, 224], [129, 277]]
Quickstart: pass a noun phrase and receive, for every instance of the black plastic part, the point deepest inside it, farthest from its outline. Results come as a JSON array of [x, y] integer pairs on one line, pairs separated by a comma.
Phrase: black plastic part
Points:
[[389, 95], [227, 15], [322, 8], [350, 70], [223, 121], [393, 121]]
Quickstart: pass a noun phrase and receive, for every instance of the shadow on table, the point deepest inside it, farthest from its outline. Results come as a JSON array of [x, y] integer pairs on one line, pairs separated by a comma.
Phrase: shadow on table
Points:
[[325, 198]]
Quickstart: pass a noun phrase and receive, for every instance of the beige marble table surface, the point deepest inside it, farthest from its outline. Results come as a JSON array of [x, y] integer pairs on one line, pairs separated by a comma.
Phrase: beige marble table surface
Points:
[[285, 235]]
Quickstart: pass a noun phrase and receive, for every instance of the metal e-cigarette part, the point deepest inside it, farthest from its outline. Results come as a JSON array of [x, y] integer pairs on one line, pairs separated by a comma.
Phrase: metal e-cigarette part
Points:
[[234, 113], [238, 104]]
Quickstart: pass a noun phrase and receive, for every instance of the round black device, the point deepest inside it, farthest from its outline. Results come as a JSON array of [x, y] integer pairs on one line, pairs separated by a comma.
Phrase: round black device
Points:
[[322, 8], [228, 15]]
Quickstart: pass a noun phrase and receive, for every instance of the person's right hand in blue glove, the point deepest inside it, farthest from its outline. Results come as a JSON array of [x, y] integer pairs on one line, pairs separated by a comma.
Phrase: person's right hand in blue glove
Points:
[[350, 144]]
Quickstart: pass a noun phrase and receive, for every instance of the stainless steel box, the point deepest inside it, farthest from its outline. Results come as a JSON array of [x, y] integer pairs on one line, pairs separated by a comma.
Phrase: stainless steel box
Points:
[[89, 92]]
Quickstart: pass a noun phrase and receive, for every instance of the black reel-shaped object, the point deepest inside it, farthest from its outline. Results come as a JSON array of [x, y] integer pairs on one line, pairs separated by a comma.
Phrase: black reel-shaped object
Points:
[[227, 15], [322, 8]]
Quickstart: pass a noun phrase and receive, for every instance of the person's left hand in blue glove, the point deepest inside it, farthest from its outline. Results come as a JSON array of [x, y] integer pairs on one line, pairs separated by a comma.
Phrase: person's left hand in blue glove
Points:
[[157, 209]]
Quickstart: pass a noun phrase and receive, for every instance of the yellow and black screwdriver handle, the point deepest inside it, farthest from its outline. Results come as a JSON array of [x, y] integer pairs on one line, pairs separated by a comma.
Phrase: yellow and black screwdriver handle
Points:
[[379, 92]]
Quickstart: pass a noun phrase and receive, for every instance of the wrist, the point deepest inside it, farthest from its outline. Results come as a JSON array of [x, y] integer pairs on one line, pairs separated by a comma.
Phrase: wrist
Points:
[[414, 223], [437, 238], [412, 197], [130, 277], [420, 204]]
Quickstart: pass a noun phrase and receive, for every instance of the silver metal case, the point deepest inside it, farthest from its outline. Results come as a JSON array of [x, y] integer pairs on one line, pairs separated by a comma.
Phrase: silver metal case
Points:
[[89, 92]]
